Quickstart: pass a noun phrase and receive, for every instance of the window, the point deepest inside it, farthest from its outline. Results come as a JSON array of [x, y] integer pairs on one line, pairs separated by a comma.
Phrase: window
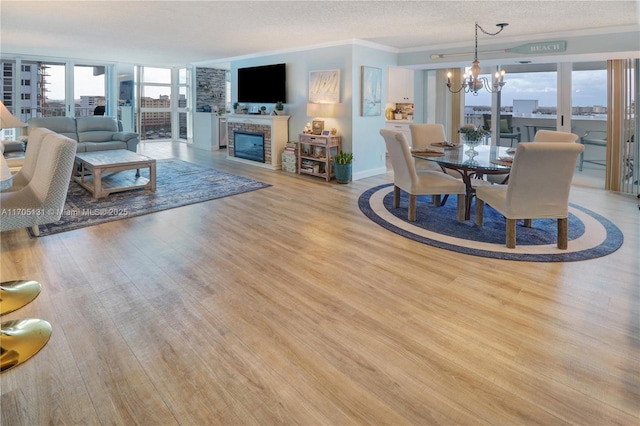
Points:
[[88, 89], [155, 103]]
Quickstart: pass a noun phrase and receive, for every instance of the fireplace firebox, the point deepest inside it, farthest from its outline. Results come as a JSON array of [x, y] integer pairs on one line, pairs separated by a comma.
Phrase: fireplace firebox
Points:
[[249, 146]]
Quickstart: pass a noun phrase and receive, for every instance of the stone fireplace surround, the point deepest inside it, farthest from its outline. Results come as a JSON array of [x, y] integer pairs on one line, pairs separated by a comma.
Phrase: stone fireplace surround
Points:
[[273, 128]]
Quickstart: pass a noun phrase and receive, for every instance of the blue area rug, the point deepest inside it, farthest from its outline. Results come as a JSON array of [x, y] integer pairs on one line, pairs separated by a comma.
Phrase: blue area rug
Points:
[[590, 235], [178, 183]]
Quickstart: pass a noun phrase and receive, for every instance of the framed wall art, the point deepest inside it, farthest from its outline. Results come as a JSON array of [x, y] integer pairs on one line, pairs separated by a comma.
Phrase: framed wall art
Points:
[[324, 87], [370, 91]]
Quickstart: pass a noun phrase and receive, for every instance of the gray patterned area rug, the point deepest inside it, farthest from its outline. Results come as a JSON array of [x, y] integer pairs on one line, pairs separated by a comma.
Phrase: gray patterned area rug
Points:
[[178, 183]]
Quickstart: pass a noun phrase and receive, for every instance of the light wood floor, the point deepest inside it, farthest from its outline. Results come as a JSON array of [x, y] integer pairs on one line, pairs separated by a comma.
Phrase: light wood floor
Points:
[[287, 306]]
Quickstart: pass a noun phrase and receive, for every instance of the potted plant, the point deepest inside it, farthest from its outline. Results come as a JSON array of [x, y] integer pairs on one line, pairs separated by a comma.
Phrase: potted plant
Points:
[[279, 107], [235, 107], [263, 110], [342, 166]]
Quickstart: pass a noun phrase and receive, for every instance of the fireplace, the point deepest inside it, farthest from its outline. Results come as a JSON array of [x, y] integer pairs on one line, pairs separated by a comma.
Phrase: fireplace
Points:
[[249, 146]]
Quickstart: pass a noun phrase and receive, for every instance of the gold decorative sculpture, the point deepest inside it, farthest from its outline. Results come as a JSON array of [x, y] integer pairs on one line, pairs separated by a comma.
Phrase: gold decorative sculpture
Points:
[[16, 294], [21, 339]]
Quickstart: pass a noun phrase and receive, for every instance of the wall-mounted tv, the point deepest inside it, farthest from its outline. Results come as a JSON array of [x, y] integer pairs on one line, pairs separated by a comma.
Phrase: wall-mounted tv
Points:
[[263, 84]]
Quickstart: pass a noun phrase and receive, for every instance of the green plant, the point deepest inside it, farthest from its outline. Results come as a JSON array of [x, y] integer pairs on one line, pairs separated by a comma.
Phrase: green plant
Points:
[[236, 105], [343, 157], [472, 132], [279, 106], [263, 108]]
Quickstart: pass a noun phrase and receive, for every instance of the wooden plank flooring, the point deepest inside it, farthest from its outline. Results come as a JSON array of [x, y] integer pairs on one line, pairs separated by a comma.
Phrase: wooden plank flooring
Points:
[[287, 306]]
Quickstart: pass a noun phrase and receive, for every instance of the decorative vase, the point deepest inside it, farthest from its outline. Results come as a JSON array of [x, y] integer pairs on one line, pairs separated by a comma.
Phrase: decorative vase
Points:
[[471, 143], [343, 172]]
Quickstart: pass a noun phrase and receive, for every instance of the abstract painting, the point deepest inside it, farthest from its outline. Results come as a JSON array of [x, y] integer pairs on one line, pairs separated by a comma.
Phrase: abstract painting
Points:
[[324, 87]]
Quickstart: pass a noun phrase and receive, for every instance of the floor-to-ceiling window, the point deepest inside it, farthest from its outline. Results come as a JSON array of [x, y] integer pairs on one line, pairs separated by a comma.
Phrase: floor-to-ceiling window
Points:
[[155, 103], [589, 112], [52, 88], [183, 102], [529, 96]]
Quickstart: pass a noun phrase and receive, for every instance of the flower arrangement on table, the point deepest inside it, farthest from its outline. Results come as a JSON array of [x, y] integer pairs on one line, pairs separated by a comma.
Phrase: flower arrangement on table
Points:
[[472, 136], [472, 133]]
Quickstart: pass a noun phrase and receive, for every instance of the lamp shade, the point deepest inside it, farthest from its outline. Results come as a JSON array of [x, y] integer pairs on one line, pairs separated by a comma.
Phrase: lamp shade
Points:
[[320, 110], [7, 120]]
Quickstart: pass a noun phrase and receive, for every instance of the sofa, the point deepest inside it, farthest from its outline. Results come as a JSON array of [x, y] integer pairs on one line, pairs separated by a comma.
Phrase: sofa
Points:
[[95, 133]]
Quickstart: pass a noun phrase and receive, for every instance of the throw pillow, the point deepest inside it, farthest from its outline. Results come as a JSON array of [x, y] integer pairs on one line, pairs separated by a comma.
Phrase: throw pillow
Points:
[[504, 126]]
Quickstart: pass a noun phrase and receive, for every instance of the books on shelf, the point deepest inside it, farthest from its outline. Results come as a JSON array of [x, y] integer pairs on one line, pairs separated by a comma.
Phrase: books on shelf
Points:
[[290, 147]]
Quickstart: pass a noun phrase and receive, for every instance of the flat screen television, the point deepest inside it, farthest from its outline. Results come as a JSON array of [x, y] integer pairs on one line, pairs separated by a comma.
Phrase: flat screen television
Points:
[[263, 84]]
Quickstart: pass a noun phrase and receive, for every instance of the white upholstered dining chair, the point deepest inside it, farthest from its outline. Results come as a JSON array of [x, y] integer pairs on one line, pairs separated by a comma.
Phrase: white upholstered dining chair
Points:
[[42, 200], [542, 136], [538, 187], [422, 136], [555, 136], [414, 182]]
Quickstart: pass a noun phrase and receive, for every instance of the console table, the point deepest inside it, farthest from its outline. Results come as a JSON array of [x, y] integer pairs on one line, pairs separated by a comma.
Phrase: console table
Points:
[[315, 153]]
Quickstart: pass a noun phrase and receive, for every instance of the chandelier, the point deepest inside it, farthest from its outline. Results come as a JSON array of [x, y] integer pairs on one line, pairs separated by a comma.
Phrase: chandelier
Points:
[[473, 82]]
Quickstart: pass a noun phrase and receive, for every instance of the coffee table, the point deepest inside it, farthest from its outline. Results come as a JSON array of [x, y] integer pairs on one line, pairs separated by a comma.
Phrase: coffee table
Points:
[[104, 168]]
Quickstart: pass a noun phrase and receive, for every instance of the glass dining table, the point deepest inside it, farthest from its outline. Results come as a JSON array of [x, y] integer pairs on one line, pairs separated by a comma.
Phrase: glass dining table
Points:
[[470, 163]]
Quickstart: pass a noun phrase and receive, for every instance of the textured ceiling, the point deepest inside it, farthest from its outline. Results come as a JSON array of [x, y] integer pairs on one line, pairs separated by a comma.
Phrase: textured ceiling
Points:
[[179, 32]]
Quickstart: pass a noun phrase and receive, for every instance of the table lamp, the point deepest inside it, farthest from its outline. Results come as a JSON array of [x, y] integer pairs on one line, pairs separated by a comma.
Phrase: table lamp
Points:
[[318, 111]]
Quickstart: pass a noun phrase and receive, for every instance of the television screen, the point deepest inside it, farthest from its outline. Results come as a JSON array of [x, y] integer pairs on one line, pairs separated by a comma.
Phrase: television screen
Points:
[[263, 84]]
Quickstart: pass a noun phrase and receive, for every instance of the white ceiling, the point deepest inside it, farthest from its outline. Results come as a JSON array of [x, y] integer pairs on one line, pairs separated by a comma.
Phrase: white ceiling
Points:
[[166, 33]]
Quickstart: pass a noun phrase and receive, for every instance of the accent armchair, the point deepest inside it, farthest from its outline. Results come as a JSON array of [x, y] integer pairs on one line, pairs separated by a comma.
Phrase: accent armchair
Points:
[[539, 186], [42, 200], [506, 128], [24, 175], [595, 138], [423, 182]]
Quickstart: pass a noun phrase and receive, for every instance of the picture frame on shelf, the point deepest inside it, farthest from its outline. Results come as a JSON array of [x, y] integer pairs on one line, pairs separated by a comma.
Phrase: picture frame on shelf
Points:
[[317, 126], [326, 132]]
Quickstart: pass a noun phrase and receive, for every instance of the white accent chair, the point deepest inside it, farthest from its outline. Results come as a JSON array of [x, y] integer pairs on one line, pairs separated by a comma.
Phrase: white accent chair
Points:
[[423, 182], [554, 136], [24, 175], [538, 187], [42, 200]]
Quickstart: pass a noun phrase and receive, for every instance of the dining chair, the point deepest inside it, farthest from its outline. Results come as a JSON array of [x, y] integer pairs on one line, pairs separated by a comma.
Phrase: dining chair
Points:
[[541, 136], [42, 200], [24, 175], [539, 186], [554, 136], [414, 182], [422, 136]]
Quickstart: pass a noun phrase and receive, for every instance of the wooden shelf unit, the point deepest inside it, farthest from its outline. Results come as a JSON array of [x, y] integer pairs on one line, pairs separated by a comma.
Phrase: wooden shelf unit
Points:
[[315, 153]]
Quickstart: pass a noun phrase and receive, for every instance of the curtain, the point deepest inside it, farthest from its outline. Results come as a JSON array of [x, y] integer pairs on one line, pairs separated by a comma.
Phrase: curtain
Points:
[[622, 125]]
